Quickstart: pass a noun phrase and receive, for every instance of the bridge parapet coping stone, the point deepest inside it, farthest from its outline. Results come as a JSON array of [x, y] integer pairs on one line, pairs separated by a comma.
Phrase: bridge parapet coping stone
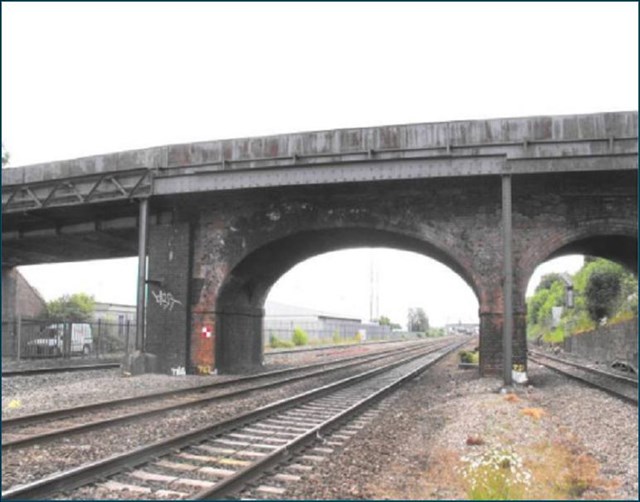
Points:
[[500, 133]]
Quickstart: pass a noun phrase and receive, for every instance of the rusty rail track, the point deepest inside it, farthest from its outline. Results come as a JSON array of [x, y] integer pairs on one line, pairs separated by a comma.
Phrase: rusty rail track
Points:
[[620, 386]]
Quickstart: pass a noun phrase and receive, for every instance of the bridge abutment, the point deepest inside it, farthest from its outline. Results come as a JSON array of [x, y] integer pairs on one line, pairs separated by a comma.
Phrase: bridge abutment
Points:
[[241, 348]]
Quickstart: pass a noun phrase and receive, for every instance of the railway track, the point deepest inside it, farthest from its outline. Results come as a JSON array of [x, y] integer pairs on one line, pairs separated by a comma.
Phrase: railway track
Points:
[[47, 426], [620, 386], [61, 369], [282, 439]]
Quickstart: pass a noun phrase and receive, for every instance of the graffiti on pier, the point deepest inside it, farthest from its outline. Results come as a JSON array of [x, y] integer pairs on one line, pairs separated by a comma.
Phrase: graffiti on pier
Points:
[[165, 299]]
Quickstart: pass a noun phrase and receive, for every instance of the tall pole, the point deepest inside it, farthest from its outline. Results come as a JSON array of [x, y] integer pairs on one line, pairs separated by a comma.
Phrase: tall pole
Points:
[[507, 288], [142, 270]]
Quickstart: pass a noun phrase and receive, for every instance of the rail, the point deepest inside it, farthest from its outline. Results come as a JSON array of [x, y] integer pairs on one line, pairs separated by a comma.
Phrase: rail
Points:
[[167, 450], [620, 386], [172, 400]]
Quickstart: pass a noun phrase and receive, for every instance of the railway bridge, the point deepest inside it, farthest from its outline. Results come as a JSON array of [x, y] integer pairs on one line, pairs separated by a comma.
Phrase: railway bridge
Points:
[[222, 221]]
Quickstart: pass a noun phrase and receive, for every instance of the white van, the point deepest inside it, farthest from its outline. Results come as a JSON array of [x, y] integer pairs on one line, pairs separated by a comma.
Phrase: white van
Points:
[[51, 343]]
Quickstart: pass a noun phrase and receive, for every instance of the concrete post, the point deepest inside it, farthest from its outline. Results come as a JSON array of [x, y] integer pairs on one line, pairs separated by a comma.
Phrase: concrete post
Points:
[[142, 272], [19, 335], [507, 287]]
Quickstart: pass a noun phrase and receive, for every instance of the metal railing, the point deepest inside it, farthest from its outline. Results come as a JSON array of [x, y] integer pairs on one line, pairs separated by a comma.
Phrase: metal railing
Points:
[[29, 339]]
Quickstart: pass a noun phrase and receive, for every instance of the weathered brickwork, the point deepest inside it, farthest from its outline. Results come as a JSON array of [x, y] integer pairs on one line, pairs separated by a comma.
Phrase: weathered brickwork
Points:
[[237, 247], [19, 299]]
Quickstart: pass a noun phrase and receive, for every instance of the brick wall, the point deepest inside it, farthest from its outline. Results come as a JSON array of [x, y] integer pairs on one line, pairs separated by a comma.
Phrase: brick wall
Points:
[[30, 303]]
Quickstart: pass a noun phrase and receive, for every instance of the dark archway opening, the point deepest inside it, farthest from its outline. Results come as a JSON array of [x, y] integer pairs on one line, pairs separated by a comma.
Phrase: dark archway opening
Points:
[[241, 300]]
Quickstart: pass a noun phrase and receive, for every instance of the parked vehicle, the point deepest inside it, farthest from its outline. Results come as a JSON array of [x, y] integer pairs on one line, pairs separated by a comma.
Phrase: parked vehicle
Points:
[[51, 343]]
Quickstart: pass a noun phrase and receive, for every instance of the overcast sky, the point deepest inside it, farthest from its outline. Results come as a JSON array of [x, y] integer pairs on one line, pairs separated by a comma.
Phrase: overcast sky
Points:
[[84, 79]]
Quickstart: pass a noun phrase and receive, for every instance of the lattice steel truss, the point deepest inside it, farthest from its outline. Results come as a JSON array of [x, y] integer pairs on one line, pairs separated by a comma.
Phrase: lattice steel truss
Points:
[[91, 188]]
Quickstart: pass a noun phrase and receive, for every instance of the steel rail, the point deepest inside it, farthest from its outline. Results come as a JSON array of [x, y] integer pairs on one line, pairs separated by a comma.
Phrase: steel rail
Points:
[[240, 479], [87, 473], [596, 371], [62, 369], [277, 352], [128, 417], [556, 366], [63, 412]]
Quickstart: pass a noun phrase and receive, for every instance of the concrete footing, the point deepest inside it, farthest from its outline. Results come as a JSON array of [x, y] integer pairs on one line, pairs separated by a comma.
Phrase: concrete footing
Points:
[[139, 362]]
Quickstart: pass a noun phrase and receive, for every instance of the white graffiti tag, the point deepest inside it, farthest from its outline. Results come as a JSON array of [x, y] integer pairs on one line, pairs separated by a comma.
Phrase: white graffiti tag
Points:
[[165, 299]]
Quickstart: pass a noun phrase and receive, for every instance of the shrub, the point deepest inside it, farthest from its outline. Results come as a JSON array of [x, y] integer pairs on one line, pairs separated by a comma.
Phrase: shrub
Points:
[[276, 343], [336, 337], [469, 356], [300, 337]]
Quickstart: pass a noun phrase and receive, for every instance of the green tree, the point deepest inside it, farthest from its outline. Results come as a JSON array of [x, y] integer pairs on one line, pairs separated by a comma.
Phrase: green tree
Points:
[[384, 321], [603, 293], [76, 307], [418, 320], [547, 280]]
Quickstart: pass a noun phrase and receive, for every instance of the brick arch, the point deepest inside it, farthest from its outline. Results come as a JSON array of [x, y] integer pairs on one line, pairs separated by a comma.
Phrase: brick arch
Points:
[[241, 297], [616, 240]]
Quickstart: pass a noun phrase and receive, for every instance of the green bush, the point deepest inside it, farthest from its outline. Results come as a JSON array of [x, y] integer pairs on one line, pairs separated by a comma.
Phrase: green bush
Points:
[[336, 337], [276, 343], [300, 337], [469, 356]]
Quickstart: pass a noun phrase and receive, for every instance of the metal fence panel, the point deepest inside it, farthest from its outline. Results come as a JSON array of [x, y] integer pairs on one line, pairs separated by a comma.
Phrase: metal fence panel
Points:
[[38, 339]]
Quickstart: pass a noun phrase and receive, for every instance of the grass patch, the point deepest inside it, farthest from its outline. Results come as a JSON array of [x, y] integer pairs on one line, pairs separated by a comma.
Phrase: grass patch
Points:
[[277, 343]]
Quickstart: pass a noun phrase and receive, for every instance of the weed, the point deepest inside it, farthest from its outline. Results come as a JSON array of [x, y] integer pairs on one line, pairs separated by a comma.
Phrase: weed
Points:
[[496, 474], [562, 472]]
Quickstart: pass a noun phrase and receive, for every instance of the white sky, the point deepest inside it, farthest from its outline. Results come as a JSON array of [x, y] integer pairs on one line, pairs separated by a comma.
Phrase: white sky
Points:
[[84, 79]]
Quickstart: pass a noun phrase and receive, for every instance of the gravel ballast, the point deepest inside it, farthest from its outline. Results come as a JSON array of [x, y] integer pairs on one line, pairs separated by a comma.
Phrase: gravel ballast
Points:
[[413, 449], [414, 446], [30, 463]]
